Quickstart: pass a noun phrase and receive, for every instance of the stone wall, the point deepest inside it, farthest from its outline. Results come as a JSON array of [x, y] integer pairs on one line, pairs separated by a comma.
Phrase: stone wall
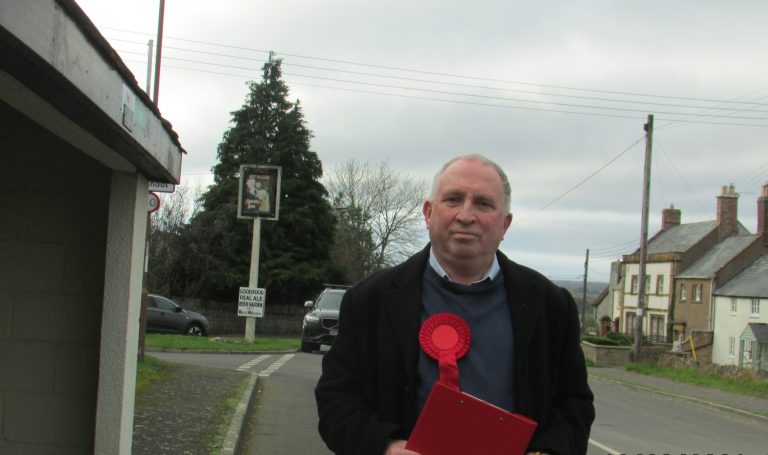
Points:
[[277, 320], [605, 356]]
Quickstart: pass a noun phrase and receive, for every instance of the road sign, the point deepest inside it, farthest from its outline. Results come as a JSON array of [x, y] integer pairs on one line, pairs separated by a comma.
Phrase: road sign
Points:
[[251, 302], [154, 202], [162, 187]]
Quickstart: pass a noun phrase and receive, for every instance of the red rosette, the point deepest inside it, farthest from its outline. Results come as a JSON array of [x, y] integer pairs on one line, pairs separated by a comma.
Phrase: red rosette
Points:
[[445, 337]]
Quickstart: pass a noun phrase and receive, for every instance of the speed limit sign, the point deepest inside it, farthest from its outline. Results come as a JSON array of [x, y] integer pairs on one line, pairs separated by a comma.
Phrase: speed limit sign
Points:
[[154, 202]]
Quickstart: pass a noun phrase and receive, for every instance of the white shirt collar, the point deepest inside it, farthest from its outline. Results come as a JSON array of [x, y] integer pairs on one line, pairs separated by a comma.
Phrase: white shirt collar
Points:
[[491, 273]]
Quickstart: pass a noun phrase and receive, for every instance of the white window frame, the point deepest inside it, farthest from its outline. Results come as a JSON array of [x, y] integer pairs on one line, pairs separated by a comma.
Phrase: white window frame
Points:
[[659, 284], [683, 293], [697, 292], [734, 306], [732, 347], [755, 307], [633, 285]]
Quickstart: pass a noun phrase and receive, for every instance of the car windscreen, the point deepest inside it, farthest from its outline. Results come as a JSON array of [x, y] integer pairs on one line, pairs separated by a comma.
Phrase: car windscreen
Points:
[[331, 301]]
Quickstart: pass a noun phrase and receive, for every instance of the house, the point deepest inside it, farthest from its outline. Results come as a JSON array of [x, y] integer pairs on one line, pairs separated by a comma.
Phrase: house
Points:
[[603, 303], [741, 318], [685, 263], [80, 141], [740, 308], [673, 248]]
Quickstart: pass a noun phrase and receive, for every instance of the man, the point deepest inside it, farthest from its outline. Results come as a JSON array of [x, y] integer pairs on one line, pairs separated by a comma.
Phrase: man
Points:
[[524, 355]]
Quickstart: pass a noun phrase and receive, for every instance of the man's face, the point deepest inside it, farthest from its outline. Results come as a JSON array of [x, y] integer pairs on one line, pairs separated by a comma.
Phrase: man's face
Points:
[[467, 220]]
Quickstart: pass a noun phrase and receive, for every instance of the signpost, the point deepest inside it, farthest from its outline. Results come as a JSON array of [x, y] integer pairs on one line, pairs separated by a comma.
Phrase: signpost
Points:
[[154, 202], [258, 197], [251, 302]]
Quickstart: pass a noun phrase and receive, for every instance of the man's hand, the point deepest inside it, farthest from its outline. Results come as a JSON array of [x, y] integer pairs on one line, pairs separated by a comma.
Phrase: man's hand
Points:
[[397, 447]]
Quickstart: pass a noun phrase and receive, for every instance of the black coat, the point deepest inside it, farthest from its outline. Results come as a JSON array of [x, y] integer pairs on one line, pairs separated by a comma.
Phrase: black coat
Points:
[[367, 392]]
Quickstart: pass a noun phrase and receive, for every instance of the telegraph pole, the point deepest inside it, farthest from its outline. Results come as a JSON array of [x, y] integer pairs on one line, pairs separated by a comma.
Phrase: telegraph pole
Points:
[[643, 239], [584, 292], [161, 18]]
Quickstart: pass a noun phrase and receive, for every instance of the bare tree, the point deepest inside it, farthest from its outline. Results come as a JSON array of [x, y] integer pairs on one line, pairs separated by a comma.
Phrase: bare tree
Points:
[[386, 204], [166, 227]]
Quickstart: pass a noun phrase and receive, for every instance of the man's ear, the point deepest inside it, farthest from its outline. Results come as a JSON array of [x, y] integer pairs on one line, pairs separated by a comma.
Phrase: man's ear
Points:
[[427, 211], [507, 221]]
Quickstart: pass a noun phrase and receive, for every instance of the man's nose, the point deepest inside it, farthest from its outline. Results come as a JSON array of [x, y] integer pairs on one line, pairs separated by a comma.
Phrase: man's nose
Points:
[[466, 213]]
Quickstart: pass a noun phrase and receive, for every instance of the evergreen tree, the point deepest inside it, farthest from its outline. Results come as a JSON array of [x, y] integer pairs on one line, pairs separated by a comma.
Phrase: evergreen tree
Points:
[[294, 259]]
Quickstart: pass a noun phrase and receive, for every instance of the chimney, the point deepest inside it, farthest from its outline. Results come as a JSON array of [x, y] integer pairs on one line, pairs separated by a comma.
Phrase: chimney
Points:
[[727, 212], [670, 217], [762, 213]]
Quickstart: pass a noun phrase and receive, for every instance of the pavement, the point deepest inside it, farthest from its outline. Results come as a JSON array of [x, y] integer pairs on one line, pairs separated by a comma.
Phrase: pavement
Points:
[[187, 413]]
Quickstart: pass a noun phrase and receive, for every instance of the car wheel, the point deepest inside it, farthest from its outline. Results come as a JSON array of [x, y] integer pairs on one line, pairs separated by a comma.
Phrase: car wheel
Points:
[[194, 330], [308, 347]]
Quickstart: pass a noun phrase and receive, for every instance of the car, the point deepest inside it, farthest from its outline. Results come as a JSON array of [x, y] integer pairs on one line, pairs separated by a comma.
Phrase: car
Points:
[[163, 315], [321, 324]]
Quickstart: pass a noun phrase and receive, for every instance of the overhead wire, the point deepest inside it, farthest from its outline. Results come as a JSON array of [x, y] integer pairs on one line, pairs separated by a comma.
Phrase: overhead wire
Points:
[[583, 181], [442, 74]]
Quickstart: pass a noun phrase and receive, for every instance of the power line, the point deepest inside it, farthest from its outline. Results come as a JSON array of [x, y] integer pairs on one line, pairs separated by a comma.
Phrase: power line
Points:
[[567, 192], [482, 87], [576, 106], [450, 75]]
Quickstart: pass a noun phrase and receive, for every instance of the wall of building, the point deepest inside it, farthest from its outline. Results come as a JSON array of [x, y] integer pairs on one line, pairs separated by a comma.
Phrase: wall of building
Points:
[[52, 241], [696, 314], [731, 324]]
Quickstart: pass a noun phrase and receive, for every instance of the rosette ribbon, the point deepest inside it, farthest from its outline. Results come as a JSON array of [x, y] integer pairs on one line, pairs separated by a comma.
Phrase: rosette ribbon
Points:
[[445, 337]]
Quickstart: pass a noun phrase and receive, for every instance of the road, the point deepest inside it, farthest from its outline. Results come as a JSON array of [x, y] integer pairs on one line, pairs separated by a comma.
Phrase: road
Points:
[[629, 421]]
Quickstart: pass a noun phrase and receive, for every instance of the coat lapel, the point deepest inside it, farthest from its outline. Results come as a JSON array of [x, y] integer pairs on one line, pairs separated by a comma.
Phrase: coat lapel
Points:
[[403, 305], [524, 303]]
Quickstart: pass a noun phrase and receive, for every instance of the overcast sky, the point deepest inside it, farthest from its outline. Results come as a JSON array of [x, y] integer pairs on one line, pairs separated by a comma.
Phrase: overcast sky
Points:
[[557, 92]]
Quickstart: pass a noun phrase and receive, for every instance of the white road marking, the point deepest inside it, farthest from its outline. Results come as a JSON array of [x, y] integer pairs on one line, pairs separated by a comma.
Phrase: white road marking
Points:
[[252, 363], [276, 365], [607, 449]]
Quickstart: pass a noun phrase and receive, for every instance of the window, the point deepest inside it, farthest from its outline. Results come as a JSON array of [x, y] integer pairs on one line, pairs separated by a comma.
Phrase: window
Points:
[[658, 334], [634, 285], [683, 293], [630, 328], [755, 307], [734, 307], [732, 347], [697, 293], [647, 284], [659, 284]]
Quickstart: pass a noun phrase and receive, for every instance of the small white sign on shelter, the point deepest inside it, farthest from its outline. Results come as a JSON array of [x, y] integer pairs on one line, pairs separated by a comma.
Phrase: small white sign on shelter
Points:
[[251, 302], [161, 187]]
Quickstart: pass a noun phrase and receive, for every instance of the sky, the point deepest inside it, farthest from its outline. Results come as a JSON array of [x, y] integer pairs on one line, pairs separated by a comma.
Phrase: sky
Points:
[[556, 92]]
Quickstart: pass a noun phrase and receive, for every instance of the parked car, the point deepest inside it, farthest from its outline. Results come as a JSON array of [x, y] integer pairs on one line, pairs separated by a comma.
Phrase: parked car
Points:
[[321, 324], [163, 315]]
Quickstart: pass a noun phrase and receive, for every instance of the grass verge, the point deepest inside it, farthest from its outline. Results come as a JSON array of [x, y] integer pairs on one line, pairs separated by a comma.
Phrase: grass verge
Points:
[[744, 384], [230, 406], [149, 371], [183, 342]]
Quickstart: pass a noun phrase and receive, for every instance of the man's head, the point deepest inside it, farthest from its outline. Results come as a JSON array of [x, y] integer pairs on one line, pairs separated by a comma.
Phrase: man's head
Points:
[[482, 159], [467, 214]]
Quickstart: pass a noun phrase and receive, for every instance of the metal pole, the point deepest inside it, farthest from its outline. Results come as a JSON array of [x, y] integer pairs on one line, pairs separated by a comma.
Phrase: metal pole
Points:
[[643, 239], [253, 278], [149, 65], [156, 94], [584, 292]]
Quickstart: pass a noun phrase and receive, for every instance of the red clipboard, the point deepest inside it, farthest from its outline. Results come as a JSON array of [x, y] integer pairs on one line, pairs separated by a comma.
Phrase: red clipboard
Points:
[[455, 423]]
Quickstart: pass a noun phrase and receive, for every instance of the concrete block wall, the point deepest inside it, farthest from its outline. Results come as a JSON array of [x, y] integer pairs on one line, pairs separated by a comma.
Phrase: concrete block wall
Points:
[[52, 248]]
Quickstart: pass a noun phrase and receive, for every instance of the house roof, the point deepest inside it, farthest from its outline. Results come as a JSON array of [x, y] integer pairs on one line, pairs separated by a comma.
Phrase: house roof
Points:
[[716, 258], [750, 282], [759, 331], [601, 297], [678, 239]]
